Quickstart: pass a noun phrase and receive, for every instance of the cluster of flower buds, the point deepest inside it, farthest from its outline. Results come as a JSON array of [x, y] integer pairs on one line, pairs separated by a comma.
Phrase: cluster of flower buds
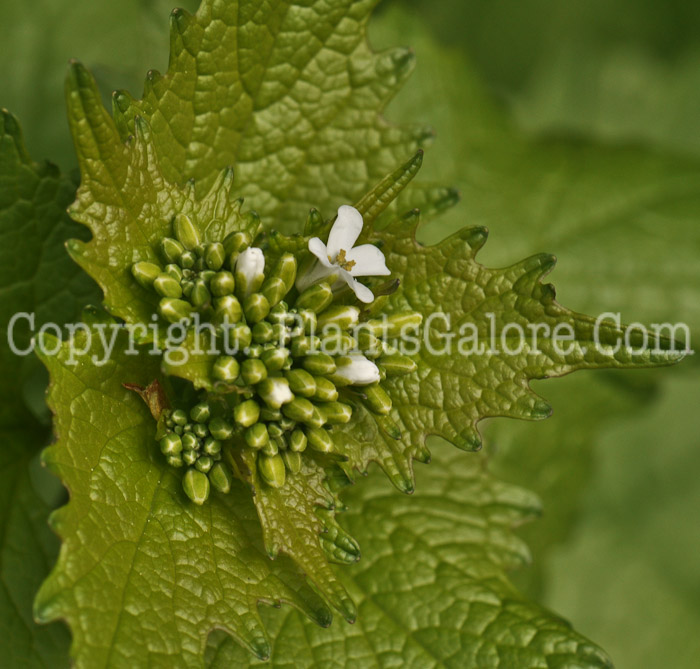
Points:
[[195, 441], [297, 359]]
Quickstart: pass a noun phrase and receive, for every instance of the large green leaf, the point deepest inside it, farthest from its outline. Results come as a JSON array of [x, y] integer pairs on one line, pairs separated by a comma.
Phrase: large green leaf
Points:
[[36, 276], [288, 93], [431, 587], [143, 572]]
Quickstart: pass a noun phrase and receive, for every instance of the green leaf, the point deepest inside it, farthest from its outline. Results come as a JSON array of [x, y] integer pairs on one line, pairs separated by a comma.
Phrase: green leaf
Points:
[[158, 573], [431, 587], [36, 276], [450, 394], [287, 93]]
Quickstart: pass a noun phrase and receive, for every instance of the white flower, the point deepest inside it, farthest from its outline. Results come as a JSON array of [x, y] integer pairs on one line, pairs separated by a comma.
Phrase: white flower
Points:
[[339, 258], [250, 268], [357, 370]]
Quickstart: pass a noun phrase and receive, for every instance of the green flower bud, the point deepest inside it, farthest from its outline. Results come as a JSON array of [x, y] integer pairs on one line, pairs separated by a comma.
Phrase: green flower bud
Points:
[[272, 470], [320, 440], [275, 392], [325, 390], [187, 260], [167, 286], [316, 298], [220, 478], [222, 284], [308, 320], [297, 441], [236, 242], [174, 271], [319, 364], [145, 273], [255, 351], [270, 415], [200, 412], [340, 316], [200, 294], [186, 231], [227, 309], [214, 256], [274, 290], [287, 424], [200, 431], [369, 344], [178, 429], [317, 418], [299, 409], [220, 429], [239, 336], [336, 413], [171, 444], [187, 287], [247, 413], [292, 460], [190, 457], [257, 435], [262, 332], [377, 399], [175, 460], [393, 325], [171, 249], [272, 447], [196, 486], [225, 368], [274, 358], [212, 446], [179, 417], [338, 343], [253, 371], [304, 345], [280, 334], [275, 430], [396, 364], [190, 442], [256, 307], [279, 313], [204, 463], [174, 310], [301, 382]]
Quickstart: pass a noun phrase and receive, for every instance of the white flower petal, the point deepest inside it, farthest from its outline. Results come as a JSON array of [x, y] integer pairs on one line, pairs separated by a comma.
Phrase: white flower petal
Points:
[[358, 370], [318, 248], [345, 230], [251, 262], [369, 261], [363, 293], [280, 394]]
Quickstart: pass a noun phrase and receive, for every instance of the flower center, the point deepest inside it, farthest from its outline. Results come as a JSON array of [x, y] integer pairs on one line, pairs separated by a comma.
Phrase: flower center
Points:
[[342, 261]]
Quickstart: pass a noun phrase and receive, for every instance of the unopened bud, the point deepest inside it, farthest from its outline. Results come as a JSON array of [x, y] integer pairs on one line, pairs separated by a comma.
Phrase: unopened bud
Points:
[[336, 413], [186, 231], [221, 284], [214, 256], [204, 463], [274, 358], [377, 399], [174, 310], [272, 470], [301, 382], [145, 273], [227, 309], [196, 486], [174, 271], [356, 370], [200, 294], [171, 249], [297, 441], [262, 332], [212, 446], [299, 409], [396, 364], [237, 242], [325, 390], [225, 368], [179, 417], [275, 392], [249, 272], [292, 460], [253, 371], [319, 440], [220, 429], [171, 444], [319, 364], [274, 290], [175, 460], [256, 307], [189, 442], [247, 413], [189, 457], [257, 435], [220, 477], [167, 286], [187, 260], [316, 298], [305, 345], [341, 316]]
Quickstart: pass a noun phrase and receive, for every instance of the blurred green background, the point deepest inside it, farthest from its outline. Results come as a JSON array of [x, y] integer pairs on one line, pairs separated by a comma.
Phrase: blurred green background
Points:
[[572, 128]]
